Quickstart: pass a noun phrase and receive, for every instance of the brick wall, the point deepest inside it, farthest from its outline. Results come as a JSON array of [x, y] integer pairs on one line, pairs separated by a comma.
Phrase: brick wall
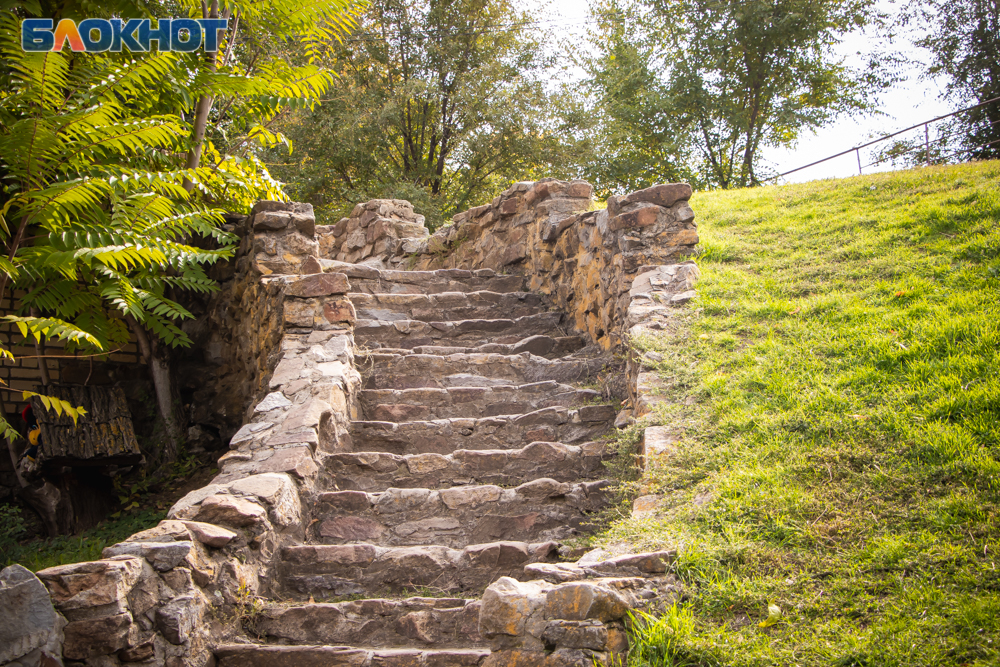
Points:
[[23, 373]]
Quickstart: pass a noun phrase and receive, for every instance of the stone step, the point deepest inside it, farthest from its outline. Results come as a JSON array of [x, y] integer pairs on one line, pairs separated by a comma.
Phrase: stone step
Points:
[[376, 623], [543, 346], [271, 655], [540, 510], [410, 371], [335, 570], [446, 306], [377, 471], [369, 280], [429, 403], [444, 436], [407, 334]]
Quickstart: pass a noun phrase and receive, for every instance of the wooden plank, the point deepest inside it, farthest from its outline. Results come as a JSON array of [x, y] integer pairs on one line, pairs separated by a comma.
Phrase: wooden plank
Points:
[[105, 431]]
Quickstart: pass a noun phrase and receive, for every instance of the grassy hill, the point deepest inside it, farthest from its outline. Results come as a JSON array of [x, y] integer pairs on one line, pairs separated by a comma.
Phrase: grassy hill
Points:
[[844, 439]]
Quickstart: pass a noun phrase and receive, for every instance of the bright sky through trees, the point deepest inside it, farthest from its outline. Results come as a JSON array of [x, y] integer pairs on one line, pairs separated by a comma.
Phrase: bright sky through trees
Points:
[[907, 103]]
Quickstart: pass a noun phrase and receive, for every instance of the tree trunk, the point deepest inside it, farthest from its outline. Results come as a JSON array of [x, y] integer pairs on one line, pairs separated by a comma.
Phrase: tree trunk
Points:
[[13, 462], [10, 450], [159, 370], [202, 110], [43, 498], [46, 499]]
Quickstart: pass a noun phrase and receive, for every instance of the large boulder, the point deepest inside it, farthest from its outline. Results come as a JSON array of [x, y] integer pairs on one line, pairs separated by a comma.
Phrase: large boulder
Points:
[[92, 584], [513, 613], [94, 598], [31, 631]]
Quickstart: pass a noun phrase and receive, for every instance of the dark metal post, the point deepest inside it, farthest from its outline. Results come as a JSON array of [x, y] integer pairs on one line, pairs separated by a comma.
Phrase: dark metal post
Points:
[[857, 152], [927, 146]]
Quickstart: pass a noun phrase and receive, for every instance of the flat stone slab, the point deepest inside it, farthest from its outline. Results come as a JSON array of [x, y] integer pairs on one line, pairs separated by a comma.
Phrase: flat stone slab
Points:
[[372, 281], [258, 655], [408, 334], [540, 345], [443, 436], [446, 306], [377, 471], [432, 403], [29, 622], [377, 623], [408, 371], [326, 571], [320, 284], [540, 510]]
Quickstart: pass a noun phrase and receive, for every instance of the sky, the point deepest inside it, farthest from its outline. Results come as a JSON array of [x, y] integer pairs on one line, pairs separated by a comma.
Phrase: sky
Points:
[[911, 101]]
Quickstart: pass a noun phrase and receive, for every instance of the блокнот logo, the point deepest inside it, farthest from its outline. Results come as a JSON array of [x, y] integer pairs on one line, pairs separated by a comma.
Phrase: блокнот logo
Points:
[[112, 34]]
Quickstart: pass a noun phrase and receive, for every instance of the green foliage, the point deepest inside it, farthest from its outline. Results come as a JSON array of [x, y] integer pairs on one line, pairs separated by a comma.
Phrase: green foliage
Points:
[[693, 90], [840, 456], [39, 554], [11, 527], [658, 641], [439, 102], [100, 211], [964, 38], [249, 609], [270, 65], [83, 175], [47, 327], [621, 113]]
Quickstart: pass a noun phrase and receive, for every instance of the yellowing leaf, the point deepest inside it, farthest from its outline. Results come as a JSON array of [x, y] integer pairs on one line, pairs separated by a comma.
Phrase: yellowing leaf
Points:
[[57, 405], [773, 616]]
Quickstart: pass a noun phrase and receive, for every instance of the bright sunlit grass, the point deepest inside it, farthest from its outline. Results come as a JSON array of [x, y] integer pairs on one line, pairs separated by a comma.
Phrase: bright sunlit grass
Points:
[[843, 351]]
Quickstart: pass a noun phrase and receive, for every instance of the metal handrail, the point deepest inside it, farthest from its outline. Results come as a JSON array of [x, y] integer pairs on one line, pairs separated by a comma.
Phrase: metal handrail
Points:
[[857, 149]]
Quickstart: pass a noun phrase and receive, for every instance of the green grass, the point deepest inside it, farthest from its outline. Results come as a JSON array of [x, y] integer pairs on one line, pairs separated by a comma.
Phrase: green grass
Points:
[[39, 554], [843, 357], [143, 501]]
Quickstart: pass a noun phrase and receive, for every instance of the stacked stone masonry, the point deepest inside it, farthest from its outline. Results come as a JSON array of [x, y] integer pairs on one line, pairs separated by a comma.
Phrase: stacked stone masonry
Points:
[[423, 435], [582, 260]]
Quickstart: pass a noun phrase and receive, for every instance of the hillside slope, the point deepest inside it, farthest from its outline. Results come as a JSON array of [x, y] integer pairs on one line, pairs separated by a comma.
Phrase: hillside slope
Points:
[[841, 449]]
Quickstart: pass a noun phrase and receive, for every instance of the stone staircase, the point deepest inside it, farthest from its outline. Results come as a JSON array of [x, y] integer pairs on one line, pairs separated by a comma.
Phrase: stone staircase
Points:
[[413, 450], [476, 452]]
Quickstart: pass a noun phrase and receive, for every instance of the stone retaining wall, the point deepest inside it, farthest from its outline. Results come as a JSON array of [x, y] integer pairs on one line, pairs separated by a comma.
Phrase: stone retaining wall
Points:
[[166, 595], [655, 296], [584, 260], [381, 228], [576, 613]]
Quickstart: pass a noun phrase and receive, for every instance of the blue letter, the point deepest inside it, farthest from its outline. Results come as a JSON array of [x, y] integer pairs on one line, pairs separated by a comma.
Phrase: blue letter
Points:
[[36, 35], [211, 28], [124, 33], [161, 34], [103, 27], [194, 35]]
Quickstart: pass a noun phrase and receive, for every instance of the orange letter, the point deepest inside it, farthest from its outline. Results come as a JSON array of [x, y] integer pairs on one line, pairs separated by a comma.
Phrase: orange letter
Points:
[[67, 30]]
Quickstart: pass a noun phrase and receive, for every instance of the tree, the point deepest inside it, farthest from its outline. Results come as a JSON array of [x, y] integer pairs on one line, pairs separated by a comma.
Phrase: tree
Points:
[[965, 43], [92, 214], [621, 111], [715, 81], [103, 184], [439, 101]]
